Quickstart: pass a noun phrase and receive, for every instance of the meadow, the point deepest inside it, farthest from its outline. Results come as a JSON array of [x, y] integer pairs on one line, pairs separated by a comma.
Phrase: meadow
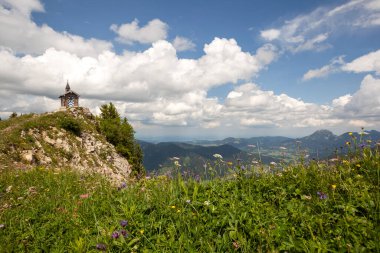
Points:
[[302, 207]]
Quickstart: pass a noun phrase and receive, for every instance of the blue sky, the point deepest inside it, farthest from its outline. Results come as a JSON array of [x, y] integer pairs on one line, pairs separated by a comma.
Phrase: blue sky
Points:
[[198, 69]]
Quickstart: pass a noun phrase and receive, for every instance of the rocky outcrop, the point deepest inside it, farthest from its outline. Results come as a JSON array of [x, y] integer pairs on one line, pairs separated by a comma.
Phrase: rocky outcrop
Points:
[[54, 147]]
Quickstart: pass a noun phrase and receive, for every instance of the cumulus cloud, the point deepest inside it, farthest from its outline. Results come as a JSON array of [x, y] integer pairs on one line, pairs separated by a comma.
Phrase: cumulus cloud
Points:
[[334, 66], [364, 103], [183, 44], [22, 35], [130, 33], [156, 86], [312, 30]]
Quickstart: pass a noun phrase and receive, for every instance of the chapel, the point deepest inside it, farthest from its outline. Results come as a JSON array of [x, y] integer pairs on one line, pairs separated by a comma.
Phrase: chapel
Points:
[[70, 98]]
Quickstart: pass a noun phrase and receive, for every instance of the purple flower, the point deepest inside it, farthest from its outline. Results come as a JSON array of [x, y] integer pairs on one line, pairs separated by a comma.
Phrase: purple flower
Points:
[[122, 186], [124, 232], [101, 246], [115, 235], [123, 223], [362, 145], [322, 195]]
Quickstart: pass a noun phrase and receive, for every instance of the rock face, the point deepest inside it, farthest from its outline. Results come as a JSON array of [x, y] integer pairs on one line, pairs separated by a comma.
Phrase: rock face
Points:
[[54, 147]]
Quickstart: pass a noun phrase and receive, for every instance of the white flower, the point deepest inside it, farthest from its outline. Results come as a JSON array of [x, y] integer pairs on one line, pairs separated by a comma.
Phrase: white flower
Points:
[[283, 148], [206, 203], [218, 156], [273, 163], [176, 163]]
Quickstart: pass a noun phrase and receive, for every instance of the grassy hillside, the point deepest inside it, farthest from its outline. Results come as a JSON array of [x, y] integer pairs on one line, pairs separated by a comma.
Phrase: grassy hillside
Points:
[[304, 208]]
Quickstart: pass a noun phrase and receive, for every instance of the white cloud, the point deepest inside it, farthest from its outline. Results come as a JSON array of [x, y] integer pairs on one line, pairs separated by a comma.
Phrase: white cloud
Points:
[[183, 44], [312, 30], [22, 35], [334, 66], [23, 7], [366, 63], [270, 34], [131, 32]]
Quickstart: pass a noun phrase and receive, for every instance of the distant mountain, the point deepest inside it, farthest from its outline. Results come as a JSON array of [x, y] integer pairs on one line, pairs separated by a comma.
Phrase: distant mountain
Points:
[[160, 154], [321, 144]]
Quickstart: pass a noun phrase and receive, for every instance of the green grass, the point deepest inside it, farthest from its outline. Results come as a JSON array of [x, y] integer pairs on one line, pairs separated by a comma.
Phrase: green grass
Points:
[[46, 211]]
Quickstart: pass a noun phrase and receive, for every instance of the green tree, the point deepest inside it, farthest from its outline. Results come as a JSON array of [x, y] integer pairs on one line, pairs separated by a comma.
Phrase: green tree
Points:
[[121, 134], [13, 115]]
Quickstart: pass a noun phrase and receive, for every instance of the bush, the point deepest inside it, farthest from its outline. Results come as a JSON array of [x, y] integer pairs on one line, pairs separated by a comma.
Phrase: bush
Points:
[[71, 125]]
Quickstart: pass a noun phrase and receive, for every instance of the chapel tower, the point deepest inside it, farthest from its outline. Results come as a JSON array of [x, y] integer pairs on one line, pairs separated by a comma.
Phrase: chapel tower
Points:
[[70, 98]]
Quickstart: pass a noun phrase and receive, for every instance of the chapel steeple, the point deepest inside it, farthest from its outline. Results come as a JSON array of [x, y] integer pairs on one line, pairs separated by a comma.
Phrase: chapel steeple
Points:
[[67, 86]]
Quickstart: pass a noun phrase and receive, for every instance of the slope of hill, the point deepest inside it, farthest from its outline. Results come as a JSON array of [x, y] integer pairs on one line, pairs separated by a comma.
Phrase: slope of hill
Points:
[[60, 139]]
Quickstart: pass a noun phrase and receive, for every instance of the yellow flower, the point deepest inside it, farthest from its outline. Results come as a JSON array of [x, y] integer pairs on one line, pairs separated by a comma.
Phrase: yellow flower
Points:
[[333, 187], [348, 143], [358, 165], [350, 133], [142, 231], [178, 210], [173, 207], [369, 141], [229, 163]]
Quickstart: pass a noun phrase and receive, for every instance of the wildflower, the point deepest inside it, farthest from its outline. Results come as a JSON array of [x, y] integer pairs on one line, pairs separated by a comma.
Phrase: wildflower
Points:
[[229, 163], [350, 133], [188, 201], [369, 141], [348, 143], [174, 158], [358, 165], [115, 235], [333, 160], [2, 226], [173, 207], [142, 231], [283, 148], [255, 162], [236, 245], [123, 223], [9, 188], [333, 187], [362, 145], [84, 196], [273, 163], [177, 164], [124, 233], [101, 246], [178, 210], [322, 195], [122, 186], [206, 203], [218, 156], [364, 133]]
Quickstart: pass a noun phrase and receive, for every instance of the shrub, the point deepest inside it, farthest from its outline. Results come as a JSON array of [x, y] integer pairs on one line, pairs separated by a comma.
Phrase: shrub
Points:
[[71, 125]]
